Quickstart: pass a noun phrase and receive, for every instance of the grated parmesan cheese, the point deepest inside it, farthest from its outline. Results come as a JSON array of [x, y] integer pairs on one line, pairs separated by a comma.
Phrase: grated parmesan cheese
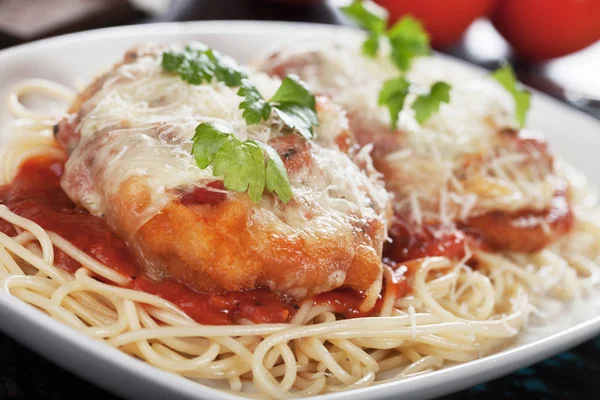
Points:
[[458, 164], [140, 125]]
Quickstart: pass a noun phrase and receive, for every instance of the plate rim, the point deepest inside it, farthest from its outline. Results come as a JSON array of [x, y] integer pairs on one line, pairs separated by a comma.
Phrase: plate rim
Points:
[[453, 378]]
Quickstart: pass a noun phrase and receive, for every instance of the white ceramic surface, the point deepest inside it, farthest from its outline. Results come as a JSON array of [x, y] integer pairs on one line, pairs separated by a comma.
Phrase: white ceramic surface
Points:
[[75, 58]]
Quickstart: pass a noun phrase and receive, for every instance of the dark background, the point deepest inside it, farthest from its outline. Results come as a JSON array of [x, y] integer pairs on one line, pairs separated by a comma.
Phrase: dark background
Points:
[[574, 374]]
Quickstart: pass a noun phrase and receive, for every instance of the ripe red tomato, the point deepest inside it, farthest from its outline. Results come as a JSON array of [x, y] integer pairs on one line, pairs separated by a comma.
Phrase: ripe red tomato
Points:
[[445, 20], [541, 29]]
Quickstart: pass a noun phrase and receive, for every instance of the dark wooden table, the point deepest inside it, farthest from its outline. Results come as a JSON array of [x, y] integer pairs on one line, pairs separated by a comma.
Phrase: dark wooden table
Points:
[[573, 374]]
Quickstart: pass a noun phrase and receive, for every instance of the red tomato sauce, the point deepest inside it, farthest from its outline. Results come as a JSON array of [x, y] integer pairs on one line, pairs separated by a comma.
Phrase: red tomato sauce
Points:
[[346, 302], [258, 305], [205, 195], [36, 194], [410, 244]]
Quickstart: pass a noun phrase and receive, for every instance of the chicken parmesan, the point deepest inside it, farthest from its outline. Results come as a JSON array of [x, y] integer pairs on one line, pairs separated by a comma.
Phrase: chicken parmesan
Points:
[[469, 166], [129, 142], [357, 210]]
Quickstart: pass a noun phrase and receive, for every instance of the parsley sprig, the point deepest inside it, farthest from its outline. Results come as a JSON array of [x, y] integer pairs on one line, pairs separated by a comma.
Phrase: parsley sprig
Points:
[[407, 40], [198, 64], [392, 95], [241, 163], [373, 19], [505, 75], [295, 105], [293, 102], [429, 103], [255, 108]]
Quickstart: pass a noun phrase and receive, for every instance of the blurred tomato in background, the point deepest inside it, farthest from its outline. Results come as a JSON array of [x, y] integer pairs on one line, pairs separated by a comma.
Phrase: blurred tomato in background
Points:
[[541, 29], [445, 20], [536, 29]]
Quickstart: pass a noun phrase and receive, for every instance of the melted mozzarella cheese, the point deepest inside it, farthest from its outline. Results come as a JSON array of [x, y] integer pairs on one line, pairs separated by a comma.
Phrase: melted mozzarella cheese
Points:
[[140, 124], [428, 166]]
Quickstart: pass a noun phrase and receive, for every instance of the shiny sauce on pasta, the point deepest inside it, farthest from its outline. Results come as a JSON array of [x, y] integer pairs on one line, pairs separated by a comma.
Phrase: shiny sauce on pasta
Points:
[[346, 302]]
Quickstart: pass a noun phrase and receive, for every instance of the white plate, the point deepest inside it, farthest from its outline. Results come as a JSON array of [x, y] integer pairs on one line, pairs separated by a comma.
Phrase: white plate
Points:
[[67, 59]]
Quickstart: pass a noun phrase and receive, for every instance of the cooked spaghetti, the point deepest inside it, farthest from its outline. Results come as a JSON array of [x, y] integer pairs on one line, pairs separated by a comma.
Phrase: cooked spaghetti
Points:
[[431, 310]]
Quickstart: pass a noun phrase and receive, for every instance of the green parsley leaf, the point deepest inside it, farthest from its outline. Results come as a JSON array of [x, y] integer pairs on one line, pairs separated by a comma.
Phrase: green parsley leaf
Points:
[[505, 75], [198, 64], [276, 174], [295, 105], [241, 164], [172, 61], [298, 118], [427, 104], [371, 17], [408, 39], [367, 15], [293, 91], [392, 95], [370, 47], [209, 138], [236, 163], [293, 101], [215, 144], [193, 65], [254, 170], [226, 69], [255, 107]]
